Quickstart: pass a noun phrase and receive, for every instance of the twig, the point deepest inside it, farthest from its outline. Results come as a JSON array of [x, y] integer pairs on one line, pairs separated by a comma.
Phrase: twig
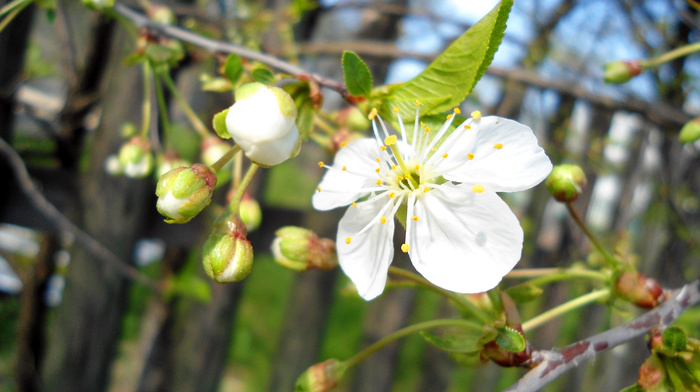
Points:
[[216, 46], [552, 364], [53, 214]]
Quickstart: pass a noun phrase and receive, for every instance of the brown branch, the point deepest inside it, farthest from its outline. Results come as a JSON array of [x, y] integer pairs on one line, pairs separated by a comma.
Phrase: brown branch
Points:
[[216, 46], [552, 364], [54, 215]]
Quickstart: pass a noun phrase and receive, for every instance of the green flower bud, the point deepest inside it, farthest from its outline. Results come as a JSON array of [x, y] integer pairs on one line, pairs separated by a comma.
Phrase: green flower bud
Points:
[[690, 131], [250, 212], [213, 148], [300, 249], [638, 289], [184, 192], [621, 71], [169, 161], [136, 158], [227, 255], [262, 122], [566, 182], [161, 14], [321, 377]]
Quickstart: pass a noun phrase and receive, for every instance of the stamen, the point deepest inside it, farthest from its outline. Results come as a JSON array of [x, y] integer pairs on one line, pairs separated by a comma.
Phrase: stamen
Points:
[[320, 164], [457, 111], [390, 141], [427, 129], [372, 114], [383, 148], [478, 188], [318, 189], [395, 109], [353, 204], [392, 195], [498, 146], [378, 169], [383, 220], [444, 156], [476, 114], [417, 102], [470, 156], [415, 218], [343, 144], [405, 248], [348, 240], [379, 182], [378, 160], [467, 126], [417, 167], [449, 116], [344, 168]]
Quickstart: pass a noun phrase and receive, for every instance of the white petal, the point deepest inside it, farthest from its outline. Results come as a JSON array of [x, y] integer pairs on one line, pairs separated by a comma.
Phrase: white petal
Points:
[[464, 241], [258, 118], [274, 152], [519, 165], [342, 187], [366, 259]]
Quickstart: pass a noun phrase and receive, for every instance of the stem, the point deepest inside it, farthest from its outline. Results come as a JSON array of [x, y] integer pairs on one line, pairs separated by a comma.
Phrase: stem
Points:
[[464, 303], [196, 122], [225, 158], [146, 106], [13, 13], [17, 4], [236, 200], [566, 275], [674, 54], [162, 110], [325, 127], [564, 308], [362, 355], [594, 240]]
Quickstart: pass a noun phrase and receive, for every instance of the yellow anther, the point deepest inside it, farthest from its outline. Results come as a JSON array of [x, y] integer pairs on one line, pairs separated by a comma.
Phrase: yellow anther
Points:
[[470, 156], [476, 114], [378, 169], [417, 167], [498, 146], [320, 164], [400, 178], [318, 189], [391, 140], [466, 126], [378, 160], [343, 144], [478, 188], [383, 220], [415, 218], [348, 240], [422, 124], [449, 116], [417, 102], [405, 248], [353, 204], [392, 195], [425, 189], [395, 109], [372, 114], [427, 129], [383, 148], [457, 111], [345, 168], [444, 156], [379, 182], [393, 167]]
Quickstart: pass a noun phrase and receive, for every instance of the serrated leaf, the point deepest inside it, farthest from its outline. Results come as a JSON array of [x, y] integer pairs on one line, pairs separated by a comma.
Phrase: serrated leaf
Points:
[[233, 68], [510, 340], [358, 78], [264, 76], [452, 76], [674, 339], [219, 124], [523, 293], [462, 342]]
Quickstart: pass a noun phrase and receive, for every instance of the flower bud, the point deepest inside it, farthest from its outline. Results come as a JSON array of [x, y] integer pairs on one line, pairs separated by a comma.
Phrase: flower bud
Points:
[[250, 212], [169, 161], [262, 122], [99, 5], [300, 249], [227, 255], [213, 148], [321, 377], [184, 192], [112, 166], [566, 182], [161, 14], [621, 71], [638, 289], [136, 158], [690, 131]]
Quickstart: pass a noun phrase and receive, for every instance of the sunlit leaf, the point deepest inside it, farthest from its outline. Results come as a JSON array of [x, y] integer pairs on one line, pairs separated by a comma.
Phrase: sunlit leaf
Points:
[[510, 340], [264, 76], [233, 69], [358, 78], [464, 342]]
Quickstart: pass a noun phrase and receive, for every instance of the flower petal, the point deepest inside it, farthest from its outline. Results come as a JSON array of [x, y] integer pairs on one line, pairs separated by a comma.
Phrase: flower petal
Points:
[[464, 241], [365, 260], [506, 157], [342, 187]]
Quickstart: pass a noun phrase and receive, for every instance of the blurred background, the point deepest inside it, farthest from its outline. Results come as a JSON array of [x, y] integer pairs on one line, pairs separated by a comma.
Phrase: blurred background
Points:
[[72, 322]]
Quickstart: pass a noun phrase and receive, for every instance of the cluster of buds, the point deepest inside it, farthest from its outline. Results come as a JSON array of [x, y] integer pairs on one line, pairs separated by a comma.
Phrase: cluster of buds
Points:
[[227, 255], [566, 182], [183, 192], [301, 249]]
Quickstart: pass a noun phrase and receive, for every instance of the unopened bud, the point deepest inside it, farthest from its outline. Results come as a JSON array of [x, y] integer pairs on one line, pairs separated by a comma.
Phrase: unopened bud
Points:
[[621, 71], [300, 249], [112, 166], [638, 289], [690, 131], [566, 182], [136, 158], [321, 377], [161, 14], [250, 212], [213, 148], [184, 192], [167, 162], [227, 255]]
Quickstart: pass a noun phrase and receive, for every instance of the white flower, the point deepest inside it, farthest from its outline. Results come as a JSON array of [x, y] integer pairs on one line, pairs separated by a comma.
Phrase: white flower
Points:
[[460, 235], [262, 122]]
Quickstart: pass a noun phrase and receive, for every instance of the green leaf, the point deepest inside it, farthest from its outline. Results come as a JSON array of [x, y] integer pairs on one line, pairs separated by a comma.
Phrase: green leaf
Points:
[[305, 118], [632, 388], [674, 339], [358, 78], [264, 76], [462, 342], [452, 76], [523, 293], [510, 340], [219, 123], [233, 69]]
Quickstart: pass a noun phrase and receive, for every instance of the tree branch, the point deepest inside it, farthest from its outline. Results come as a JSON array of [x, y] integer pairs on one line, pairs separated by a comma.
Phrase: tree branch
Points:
[[552, 364], [53, 214]]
